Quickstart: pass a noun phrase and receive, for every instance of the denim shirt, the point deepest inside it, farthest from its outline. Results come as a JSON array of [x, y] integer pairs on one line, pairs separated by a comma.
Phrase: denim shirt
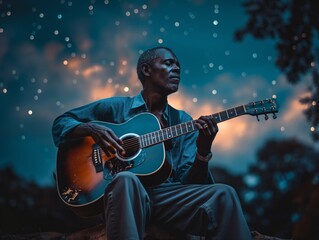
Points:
[[121, 109]]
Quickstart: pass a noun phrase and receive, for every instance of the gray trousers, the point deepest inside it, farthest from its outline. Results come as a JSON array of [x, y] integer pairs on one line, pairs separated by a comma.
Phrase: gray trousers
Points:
[[211, 210]]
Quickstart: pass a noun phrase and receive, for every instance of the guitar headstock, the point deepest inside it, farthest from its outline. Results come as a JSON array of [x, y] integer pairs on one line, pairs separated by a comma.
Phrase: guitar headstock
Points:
[[263, 108]]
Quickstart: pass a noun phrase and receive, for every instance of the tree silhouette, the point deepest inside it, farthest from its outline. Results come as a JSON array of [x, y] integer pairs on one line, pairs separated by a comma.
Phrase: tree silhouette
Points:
[[294, 25], [275, 198]]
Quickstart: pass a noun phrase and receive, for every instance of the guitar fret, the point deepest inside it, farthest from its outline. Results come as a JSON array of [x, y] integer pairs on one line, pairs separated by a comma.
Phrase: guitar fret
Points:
[[240, 110], [231, 113], [141, 141], [215, 116], [172, 131], [157, 136], [184, 127], [169, 135], [150, 137], [178, 127], [156, 139], [153, 138], [188, 126], [144, 140], [223, 115], [161, 135], [181, 128], [220, 119], [176, 134], [193, 126]]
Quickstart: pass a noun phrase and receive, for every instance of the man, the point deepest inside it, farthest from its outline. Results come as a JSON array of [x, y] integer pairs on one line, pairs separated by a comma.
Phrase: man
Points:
[[188, 201]]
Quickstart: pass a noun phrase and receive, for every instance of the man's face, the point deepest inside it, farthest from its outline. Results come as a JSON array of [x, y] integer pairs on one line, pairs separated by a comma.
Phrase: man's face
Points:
[[165, 72]]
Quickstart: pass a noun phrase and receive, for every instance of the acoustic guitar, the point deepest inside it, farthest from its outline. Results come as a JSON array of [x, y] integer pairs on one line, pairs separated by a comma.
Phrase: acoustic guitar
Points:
[[83, 170]]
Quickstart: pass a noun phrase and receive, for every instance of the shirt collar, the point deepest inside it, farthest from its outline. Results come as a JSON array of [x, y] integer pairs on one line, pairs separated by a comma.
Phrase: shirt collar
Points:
[[138, 101]]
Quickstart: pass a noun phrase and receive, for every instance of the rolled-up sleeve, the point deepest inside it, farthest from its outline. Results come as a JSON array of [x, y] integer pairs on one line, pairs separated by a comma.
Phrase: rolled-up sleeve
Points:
[[63, 124], [114, 110]]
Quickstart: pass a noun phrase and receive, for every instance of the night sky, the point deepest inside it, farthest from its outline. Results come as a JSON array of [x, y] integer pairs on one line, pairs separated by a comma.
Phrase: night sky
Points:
[[57, 55]]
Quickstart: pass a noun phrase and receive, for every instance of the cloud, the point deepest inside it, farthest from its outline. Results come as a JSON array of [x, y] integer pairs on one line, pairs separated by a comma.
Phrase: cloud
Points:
[[52, 51], [92, 70], [293, 111], [103, 91], [123, 82]]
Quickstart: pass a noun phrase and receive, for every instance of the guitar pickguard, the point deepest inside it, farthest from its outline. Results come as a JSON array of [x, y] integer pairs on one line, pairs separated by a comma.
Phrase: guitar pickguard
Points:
[[115, 165]]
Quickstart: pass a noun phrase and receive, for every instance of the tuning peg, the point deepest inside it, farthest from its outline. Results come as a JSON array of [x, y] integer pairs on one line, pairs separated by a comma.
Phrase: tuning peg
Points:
[[274, 116], [266, 117], [257, 118]]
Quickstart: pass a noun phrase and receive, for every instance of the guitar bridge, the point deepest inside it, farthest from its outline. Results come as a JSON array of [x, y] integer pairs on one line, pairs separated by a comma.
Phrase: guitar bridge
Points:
[[97, 158], [115, 165]]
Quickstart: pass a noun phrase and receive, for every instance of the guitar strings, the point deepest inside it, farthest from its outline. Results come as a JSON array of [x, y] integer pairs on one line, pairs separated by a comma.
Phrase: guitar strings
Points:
[[133, 143]]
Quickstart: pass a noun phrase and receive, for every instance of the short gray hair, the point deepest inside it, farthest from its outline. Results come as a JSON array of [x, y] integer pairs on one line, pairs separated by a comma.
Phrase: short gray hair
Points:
[[147, 57]]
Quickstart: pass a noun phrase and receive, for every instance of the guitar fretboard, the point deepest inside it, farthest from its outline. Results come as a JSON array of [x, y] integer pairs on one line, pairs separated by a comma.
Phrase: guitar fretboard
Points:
[[162, 135]]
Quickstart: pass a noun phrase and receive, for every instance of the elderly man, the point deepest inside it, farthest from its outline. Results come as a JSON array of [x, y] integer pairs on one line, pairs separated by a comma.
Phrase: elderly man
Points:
[[188, 201]]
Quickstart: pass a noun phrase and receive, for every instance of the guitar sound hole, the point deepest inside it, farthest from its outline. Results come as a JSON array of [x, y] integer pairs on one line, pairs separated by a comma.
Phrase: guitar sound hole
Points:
[[131, 146]]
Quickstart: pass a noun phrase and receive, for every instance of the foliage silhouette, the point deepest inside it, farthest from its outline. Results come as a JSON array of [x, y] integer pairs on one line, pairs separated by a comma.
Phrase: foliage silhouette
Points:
[[274, 196], [294, 25]]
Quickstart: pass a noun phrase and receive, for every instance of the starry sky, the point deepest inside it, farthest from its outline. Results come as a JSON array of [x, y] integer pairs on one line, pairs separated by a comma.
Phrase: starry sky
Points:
[[57, 55]]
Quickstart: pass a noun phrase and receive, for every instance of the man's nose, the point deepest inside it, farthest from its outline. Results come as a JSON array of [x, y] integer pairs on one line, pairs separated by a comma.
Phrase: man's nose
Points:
[[176, 68]]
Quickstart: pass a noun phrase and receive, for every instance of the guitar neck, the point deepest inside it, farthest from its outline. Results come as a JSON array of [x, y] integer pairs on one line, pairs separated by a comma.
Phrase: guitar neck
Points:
[[162, 135]]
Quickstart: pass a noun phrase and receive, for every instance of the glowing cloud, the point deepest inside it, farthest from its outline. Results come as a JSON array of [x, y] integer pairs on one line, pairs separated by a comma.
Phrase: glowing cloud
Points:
[[293, 111], [88, 72]]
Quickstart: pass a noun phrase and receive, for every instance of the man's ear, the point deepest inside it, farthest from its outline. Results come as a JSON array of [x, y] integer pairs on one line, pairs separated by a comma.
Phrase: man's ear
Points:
[[146, 69]]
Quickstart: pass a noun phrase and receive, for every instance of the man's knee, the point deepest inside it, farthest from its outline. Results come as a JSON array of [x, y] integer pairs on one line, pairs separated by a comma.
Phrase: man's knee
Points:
[[225, 189], [225, 195], [123, 180], [125, 176]]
